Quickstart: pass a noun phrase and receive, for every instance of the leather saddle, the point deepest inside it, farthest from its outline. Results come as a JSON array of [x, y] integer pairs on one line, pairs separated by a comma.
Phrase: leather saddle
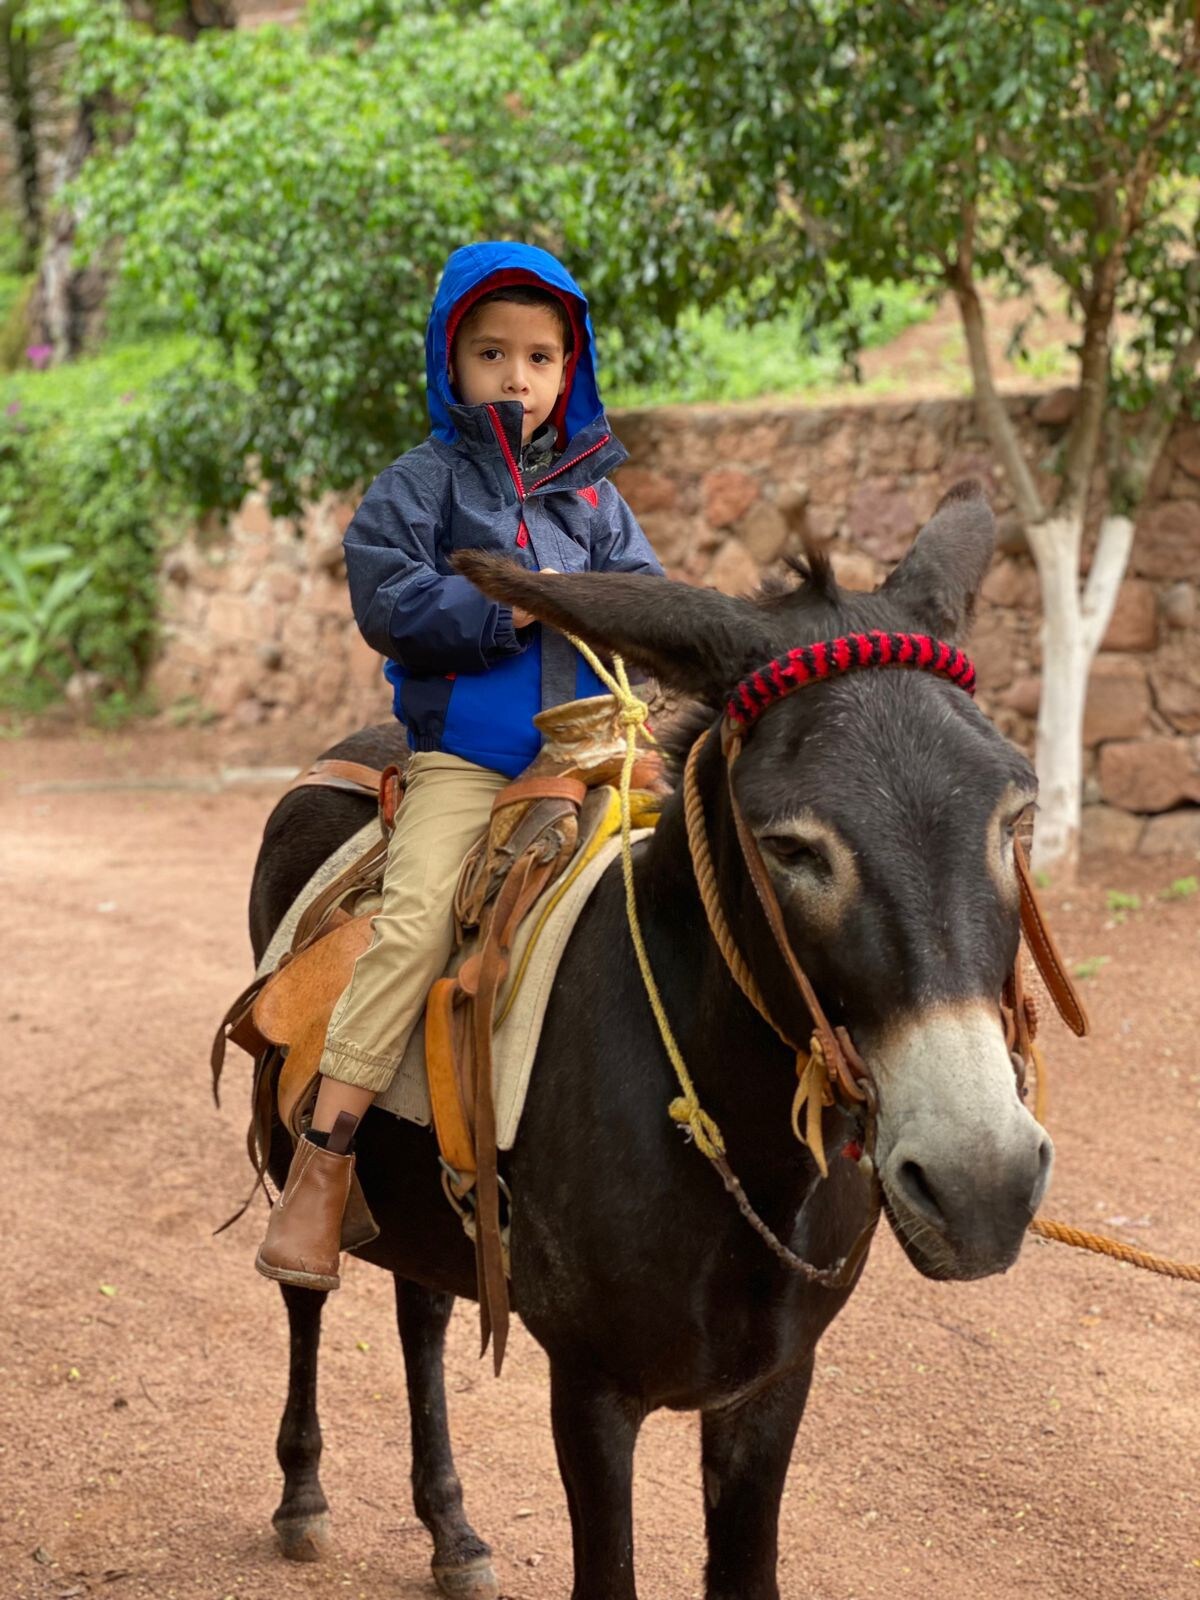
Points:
[[282, 1017]]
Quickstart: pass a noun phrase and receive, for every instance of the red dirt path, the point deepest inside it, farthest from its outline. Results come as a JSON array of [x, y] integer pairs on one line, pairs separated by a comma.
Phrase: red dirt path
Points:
[[1037, 1434]]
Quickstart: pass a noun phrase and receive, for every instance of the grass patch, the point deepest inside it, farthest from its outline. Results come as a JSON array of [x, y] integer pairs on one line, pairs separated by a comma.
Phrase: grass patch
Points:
[[1119, 901], [114, 379], [718, 358], [1089, 968]]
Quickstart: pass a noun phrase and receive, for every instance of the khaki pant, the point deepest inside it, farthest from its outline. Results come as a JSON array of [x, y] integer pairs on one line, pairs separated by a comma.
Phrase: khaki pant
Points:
[[446, 808]]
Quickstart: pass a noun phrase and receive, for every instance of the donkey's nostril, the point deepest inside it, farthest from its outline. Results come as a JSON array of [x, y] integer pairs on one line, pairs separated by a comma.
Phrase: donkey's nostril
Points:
[[918, 1192], [1045, 1162]]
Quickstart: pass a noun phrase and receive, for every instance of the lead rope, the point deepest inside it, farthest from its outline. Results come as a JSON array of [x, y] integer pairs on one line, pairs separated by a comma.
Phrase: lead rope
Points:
[[686, 1109], [1099, 1243]]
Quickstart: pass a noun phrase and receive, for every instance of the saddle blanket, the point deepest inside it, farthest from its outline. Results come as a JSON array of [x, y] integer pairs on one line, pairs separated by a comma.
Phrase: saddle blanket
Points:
[[537, 951]]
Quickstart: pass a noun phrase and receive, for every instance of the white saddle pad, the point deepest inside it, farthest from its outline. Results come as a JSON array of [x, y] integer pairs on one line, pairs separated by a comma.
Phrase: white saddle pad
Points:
[[523, 1000]]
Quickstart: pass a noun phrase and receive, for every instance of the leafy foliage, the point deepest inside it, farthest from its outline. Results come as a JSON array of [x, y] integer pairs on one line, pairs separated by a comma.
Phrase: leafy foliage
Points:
[[40, 606], [832, 141], [721, 355], [290, 196], [81, 512]]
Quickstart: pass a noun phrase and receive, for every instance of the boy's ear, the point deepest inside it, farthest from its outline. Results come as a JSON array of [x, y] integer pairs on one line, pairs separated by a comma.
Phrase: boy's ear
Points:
[[694, 640]]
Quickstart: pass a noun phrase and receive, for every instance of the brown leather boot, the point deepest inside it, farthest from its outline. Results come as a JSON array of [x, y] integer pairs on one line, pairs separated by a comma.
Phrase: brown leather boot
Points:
[[304, 1233]]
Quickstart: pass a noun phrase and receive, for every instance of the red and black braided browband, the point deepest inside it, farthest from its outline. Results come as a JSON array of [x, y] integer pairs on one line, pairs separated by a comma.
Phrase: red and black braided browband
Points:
[[828, 658]]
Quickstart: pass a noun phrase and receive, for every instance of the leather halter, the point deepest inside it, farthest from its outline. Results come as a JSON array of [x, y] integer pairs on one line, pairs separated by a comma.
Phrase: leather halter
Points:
[[833, 1068]]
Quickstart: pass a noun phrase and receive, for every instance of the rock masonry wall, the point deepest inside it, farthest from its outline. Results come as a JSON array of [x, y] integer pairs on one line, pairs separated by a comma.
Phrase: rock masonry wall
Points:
[[257, 623]]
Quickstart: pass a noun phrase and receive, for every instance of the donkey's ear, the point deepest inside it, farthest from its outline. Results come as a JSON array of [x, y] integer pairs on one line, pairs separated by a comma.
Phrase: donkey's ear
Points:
[[938, 581], [694, 640]]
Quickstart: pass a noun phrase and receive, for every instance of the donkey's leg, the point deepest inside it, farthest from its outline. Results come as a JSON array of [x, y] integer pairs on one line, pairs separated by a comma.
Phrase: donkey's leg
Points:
[[302, 1520], [462, 1562], [746, 1449], [595, 1430]]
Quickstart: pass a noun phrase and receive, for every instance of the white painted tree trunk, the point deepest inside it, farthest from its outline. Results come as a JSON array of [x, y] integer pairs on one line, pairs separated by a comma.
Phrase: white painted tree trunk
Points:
[[1073, 624]]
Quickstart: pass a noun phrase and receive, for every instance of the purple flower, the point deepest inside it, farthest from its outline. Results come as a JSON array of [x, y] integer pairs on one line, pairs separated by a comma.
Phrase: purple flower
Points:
[[128, 398], [39, 356], [13, 408]]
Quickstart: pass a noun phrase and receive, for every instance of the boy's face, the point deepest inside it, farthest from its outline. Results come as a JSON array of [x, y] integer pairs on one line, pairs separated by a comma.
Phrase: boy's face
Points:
[[511, 352]]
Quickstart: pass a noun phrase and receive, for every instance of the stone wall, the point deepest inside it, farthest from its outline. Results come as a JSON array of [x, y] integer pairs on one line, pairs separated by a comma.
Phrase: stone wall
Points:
[[258, 627]]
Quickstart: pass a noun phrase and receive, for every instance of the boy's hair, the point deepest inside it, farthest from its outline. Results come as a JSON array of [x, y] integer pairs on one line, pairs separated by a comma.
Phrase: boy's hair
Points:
[[523, 294]]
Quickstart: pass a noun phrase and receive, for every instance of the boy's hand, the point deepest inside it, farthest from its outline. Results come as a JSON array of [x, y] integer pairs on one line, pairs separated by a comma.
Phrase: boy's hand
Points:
[[525, 619]]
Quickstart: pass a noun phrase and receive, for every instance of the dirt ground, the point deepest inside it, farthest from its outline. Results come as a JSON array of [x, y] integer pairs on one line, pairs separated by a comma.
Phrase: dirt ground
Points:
[[1037, 1434]]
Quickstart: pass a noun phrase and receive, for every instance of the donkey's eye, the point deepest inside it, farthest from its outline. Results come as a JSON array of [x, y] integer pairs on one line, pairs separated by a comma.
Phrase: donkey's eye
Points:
[[793, 852]]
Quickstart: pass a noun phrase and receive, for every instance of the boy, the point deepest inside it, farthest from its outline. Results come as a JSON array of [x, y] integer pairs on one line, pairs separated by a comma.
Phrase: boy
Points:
[[517, 462]]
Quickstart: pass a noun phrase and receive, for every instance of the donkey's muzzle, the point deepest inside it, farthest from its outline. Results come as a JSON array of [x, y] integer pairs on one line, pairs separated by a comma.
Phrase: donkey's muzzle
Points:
[[963, 1165]]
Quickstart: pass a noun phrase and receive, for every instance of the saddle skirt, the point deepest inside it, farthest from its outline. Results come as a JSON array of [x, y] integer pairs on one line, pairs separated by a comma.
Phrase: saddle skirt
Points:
[[323, 971]]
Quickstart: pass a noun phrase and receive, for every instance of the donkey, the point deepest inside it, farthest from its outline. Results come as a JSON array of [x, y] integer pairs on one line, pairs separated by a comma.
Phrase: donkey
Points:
[[884, 806]]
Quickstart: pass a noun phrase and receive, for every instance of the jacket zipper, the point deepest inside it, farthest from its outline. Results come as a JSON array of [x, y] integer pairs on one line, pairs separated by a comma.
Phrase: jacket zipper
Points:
[[511, 461], [574, 461], [506, 451]]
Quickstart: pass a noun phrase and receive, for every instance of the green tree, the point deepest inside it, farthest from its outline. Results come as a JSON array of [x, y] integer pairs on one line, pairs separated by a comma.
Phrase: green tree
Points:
[[290, 195], [946, 145]]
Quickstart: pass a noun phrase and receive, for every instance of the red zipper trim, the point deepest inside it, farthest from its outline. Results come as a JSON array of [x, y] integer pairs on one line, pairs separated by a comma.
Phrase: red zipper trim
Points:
[[511, 460], [506, 449], [574, 461]]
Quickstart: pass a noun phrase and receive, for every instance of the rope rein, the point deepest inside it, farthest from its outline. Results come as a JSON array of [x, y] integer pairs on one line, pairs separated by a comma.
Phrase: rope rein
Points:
[[687, 1108], [814, 1082]]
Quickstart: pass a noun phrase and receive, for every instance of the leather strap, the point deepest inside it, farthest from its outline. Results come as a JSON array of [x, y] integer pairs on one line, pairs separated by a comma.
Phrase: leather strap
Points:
[[331, 773], [1045, 952], [835, 1057], [237, 1024], [521, 888], [391, 793], [450, 1118], [362, 873], [556, 788]]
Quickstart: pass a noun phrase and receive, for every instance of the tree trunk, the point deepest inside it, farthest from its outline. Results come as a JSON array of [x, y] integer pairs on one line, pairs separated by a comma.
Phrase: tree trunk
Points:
[[1073, 625], [22, 122], [67, 298]]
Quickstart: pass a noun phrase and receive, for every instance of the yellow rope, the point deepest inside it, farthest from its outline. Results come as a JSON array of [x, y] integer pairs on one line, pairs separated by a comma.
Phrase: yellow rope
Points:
[[687, 1108]]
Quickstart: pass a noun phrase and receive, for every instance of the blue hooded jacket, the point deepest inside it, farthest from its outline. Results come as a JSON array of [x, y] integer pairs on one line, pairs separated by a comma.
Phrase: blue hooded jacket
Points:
[[465, 681]]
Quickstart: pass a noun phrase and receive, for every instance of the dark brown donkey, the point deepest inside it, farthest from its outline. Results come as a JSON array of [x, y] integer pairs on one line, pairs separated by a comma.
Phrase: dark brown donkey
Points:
[[883, 804]]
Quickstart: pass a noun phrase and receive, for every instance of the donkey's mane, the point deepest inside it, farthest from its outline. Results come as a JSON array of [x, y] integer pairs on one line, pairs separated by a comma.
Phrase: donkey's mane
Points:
[[817, 582]]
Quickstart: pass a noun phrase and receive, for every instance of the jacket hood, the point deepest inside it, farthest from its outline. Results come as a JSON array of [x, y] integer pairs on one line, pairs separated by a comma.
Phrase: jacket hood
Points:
[[477, 269]]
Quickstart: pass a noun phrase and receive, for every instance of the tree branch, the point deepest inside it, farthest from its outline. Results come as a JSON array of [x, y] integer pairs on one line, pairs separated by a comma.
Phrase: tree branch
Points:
[[992, 410], [1104, 580]]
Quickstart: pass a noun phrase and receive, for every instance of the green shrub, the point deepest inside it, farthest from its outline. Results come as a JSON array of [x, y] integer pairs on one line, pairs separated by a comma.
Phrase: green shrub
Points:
[[77, 479]]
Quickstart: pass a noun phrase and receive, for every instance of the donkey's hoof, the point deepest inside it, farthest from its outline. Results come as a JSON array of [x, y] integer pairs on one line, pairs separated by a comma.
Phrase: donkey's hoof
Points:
[[470, 1580], [304, 1538]]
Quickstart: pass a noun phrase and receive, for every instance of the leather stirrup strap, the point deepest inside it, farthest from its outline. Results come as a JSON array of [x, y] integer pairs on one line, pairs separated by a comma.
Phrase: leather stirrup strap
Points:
[[1045, 952], [521, 888]]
